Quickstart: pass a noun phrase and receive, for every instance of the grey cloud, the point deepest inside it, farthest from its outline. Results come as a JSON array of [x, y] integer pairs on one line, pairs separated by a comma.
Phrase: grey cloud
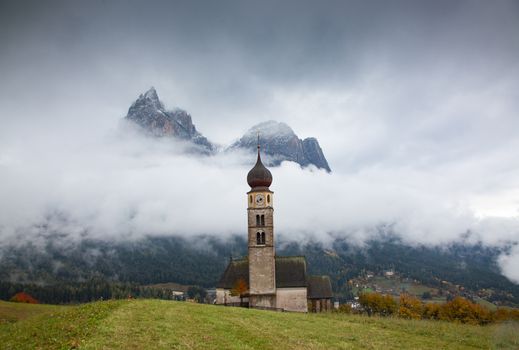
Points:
[[413, 102]]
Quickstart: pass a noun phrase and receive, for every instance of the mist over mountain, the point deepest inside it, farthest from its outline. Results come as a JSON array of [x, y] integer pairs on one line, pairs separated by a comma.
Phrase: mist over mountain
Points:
[[414, 106], [114, 186], [149, 113], [200, 260], [280, 143]]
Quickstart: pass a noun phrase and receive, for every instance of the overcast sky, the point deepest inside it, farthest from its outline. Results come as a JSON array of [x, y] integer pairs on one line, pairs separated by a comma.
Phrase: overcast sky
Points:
[[415, 104]]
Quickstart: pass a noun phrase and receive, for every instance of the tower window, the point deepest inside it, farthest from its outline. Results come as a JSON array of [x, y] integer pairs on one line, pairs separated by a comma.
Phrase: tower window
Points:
[[258, 221], [268, 198], [260, 238], [250, 199], [262, 220]]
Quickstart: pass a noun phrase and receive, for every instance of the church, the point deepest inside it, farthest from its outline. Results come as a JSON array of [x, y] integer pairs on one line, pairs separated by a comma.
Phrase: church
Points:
[[264, 280]]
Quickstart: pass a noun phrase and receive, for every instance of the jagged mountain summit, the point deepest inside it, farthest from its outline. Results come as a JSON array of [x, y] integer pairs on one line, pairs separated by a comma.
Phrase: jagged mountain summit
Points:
[[149, 113], [280, 143]]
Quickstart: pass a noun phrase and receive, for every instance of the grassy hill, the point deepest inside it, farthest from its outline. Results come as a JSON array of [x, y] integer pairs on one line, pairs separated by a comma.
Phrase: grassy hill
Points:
[[157, 324]]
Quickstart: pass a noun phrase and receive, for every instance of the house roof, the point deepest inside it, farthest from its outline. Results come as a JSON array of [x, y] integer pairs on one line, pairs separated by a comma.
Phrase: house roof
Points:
[[319, 287], [290, 272]]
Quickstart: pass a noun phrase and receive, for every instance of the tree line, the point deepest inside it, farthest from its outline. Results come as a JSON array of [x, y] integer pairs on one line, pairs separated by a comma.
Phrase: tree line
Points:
[[83, 292], [456, 310]]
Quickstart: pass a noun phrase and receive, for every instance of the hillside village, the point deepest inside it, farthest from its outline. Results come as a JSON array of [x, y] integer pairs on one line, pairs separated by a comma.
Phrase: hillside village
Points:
[[392, 283], [388, 282]]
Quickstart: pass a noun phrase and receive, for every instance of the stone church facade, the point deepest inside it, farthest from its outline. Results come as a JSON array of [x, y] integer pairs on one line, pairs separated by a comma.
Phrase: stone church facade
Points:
[[271, 282]]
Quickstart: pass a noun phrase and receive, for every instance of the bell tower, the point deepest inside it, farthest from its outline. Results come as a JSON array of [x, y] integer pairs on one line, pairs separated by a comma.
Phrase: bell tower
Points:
[[260, 212]]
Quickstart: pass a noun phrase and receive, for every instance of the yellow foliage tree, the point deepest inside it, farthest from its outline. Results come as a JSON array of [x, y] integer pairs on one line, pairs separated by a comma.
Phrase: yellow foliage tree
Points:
[[377, 304], [431, 311], [502, 314], [462, 310], [410, 307]]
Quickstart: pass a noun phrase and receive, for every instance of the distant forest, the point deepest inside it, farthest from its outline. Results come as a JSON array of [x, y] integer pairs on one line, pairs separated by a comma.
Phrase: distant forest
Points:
[[62, 271]]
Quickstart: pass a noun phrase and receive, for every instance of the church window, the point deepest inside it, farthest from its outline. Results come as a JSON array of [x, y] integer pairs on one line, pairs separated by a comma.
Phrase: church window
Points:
[[262, 220], [260, 237], [268, 198], [258, 222], [250, 199]]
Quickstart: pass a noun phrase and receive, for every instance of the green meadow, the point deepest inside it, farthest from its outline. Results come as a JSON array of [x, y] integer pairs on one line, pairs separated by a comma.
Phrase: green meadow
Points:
[[157, 324]]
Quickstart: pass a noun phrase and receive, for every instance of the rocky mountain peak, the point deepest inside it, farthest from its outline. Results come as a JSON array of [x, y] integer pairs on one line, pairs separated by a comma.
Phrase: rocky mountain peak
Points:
[[149, 113], [151, 94], [280, 143], [149, 99], [271, 129]]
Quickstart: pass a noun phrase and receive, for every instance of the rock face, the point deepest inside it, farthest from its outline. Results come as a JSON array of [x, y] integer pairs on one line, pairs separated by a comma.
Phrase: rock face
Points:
[[278, 140], [280, 143], [149, 113]]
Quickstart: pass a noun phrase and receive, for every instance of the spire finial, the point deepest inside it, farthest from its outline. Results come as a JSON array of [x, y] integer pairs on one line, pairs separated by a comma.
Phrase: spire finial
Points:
[[258, 146], [259, 176]]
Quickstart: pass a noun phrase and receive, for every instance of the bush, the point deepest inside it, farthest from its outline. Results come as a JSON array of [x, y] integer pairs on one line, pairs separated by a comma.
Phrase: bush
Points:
[[431, 311], [501, 315], [23, 297], [377, 304], [410, 307], [456, 310], [465, 311]]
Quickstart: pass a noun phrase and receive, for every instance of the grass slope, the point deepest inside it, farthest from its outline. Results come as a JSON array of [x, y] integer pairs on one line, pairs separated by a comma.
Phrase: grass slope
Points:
[[156, 324]]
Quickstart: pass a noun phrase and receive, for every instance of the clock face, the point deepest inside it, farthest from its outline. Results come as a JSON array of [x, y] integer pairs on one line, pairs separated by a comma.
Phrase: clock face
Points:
[[260, 199]]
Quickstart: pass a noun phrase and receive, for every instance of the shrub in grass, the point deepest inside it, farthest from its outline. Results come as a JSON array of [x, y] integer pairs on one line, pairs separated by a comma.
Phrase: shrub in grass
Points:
[[23, 297]]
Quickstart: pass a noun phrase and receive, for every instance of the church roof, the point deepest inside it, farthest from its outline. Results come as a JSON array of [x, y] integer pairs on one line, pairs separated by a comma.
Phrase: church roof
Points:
[[290, 272], [236, 270], [319, 287], [259, 175]]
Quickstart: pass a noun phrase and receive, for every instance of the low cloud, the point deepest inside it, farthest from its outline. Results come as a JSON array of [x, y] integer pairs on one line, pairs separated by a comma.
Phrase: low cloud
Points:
[[510, 264], [122, 185], [413, 103]]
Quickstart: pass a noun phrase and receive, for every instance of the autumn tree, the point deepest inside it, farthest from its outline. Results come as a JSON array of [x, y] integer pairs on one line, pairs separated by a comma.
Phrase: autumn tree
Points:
[[431, 311], [377, 304], [23, 297], [240, 289], [462, 310], [409, 307], [503, 314]]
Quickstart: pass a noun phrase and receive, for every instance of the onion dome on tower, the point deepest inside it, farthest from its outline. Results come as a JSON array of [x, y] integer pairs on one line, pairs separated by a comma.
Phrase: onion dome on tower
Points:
[[259, 175]]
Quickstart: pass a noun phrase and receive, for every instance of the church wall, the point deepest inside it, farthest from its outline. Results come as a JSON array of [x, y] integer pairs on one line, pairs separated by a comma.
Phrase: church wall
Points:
[[292, 299], [267, 301], [223, 296], [262, 270]]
